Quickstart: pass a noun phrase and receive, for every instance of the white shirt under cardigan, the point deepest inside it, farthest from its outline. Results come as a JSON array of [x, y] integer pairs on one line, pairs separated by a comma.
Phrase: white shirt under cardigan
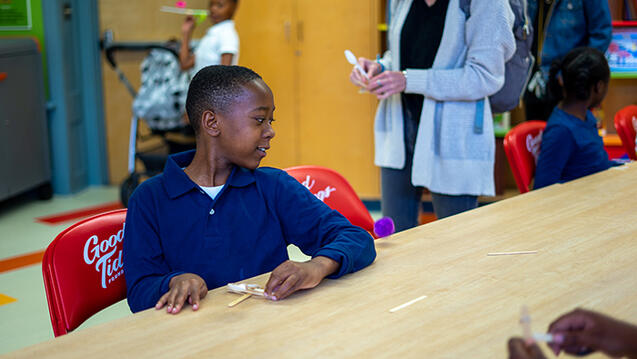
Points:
[[449, 157], [221, 38]]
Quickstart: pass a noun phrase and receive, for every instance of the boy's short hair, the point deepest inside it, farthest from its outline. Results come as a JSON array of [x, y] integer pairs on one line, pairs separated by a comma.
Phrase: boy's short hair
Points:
[[214, 88]]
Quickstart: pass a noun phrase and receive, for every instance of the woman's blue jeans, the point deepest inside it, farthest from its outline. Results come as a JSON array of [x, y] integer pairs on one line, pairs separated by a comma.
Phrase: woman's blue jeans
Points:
[[400, 199]]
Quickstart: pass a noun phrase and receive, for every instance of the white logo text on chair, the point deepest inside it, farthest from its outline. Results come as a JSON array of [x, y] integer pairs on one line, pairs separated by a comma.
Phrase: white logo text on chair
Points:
[[533, 144], [104, 254], [322, 194]]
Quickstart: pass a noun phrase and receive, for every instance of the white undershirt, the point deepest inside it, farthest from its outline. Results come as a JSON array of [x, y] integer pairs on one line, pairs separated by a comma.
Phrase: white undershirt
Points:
[[212, 191]]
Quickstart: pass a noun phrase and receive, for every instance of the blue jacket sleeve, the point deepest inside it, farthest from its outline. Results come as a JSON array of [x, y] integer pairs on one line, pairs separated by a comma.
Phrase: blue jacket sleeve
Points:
[[555, 150], [318, 230], [146, 272], [599, 24]]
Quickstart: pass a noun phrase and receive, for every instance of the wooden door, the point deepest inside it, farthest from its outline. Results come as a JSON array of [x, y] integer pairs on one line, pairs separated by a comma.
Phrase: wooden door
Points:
[[335, 121], [267, 45]]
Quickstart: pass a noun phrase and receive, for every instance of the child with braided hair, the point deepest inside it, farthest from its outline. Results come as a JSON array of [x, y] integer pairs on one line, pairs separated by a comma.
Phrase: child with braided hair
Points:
[[571, 146]]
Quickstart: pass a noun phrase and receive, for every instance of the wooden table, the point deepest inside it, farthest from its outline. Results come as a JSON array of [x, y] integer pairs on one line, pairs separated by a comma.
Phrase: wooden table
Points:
[[585, 234]]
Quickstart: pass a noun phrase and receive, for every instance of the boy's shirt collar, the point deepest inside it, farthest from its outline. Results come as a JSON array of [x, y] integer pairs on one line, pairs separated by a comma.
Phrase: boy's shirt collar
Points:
[[177, 182]]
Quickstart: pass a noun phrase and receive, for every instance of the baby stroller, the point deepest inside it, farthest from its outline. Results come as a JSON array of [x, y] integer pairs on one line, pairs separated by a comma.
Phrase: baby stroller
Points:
[[160, 102]]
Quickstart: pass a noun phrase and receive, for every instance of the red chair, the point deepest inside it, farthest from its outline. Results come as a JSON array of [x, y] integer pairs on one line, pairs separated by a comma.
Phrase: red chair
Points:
[[522, 146], [626, 130], [82, 270], [333, 189]]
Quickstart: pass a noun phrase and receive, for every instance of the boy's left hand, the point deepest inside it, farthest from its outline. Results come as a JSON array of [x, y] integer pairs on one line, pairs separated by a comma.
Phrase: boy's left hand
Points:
[[291, 276]]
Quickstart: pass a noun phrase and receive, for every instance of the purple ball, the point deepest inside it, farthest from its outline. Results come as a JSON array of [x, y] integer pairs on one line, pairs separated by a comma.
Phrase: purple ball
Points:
[[384, 227]]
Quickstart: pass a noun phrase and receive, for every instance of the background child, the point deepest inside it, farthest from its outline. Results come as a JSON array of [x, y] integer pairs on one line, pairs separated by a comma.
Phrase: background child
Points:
[[212, 217], [571, 146], [220, 45]]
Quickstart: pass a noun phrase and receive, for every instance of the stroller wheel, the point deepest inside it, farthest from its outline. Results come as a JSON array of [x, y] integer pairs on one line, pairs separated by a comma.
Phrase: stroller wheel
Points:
[[45, 191], [127, 188]]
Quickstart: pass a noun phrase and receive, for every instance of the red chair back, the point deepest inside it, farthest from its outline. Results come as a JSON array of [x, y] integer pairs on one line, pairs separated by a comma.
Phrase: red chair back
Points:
[[333, 189], [626, 130], [83, 271], [522, 147]]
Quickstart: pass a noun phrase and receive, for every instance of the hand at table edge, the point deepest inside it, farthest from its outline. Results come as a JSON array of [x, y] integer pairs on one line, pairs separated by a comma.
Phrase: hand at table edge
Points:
[[291, 276]]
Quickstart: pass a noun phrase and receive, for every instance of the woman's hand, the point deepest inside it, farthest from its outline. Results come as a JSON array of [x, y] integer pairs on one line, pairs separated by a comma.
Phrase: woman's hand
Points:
[[386, 84], [371, 68], [188, 26], [291, 276], [518, 349], [185, 286], [583, 331]]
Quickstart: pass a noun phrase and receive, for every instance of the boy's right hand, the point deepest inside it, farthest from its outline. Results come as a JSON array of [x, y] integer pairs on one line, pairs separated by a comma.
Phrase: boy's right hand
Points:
[[185, 286], [290, 276], [188, 26], [372, 68], [582, 330]]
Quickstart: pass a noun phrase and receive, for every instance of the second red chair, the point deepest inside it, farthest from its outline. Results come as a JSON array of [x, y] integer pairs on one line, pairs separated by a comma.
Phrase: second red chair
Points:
[[522, 147], [333, 189]]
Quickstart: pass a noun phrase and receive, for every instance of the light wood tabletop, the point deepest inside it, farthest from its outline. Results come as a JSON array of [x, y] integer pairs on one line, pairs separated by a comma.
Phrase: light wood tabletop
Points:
[[584, 232]]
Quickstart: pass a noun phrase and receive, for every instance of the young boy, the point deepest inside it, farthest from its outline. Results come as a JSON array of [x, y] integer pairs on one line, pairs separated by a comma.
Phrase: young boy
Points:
[[212, 217]]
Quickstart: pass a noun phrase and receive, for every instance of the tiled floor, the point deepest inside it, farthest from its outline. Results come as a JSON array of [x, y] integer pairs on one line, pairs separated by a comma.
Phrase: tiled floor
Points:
[[26, 320]]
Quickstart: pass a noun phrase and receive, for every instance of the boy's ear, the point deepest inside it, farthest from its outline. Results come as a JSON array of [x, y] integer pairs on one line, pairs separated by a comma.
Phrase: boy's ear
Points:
[[209, 123]]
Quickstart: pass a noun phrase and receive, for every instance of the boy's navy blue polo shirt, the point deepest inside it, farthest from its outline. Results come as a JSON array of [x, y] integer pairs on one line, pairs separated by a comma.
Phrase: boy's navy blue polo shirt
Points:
[[173, 227], [570, 149]]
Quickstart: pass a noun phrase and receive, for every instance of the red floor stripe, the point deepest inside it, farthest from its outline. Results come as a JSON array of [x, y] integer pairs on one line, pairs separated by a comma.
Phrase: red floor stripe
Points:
[[20, 261], [427, 217], [80, 213]]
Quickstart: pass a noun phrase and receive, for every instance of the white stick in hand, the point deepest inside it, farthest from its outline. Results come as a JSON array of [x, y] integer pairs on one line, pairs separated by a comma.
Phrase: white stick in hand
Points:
[[543, 337], [352, 60]]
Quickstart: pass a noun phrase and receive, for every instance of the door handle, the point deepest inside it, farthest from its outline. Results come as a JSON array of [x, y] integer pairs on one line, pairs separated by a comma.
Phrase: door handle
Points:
[[3, 75]]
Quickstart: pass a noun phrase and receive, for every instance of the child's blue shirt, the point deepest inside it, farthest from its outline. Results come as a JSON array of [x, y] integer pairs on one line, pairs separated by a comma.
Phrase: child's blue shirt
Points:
[[173, 227], [570, 149]]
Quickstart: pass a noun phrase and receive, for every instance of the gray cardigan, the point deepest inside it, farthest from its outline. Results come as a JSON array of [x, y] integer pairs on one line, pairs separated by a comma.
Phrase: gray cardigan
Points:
[[449, 157]]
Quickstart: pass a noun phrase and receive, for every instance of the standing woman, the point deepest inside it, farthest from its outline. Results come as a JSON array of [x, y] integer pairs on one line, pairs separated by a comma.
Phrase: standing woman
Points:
[[220, 45], [433, 125]]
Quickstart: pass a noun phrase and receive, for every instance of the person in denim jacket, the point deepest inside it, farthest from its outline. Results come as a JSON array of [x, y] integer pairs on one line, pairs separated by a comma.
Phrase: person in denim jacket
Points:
[[560, 26]]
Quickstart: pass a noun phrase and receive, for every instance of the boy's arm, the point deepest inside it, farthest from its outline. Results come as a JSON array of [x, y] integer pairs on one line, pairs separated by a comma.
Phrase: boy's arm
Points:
[[228, 45], [146, 272], [555, 150], [186, 58], [318, 230]]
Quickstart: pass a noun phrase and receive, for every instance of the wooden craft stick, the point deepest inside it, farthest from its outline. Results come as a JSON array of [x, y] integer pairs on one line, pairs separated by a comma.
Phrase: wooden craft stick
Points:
[[407, 304], [239, 300], [510, 253], [180, 11]]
